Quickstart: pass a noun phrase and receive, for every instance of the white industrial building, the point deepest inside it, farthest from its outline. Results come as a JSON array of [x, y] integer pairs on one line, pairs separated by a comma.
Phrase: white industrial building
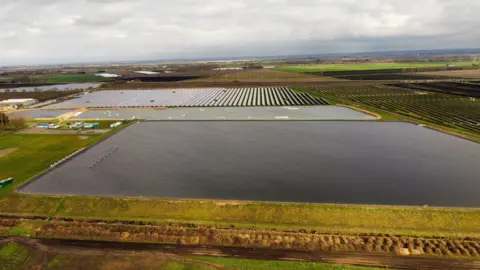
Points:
[[147, 72], [107, 75], [20, 102]]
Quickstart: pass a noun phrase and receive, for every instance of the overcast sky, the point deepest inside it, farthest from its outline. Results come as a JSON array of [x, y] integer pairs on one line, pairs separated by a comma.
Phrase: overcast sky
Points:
[[53, 31]]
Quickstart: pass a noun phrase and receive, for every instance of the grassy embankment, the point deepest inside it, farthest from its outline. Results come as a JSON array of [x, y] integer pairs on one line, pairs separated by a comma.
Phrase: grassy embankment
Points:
[[325, 218], [371, 66]]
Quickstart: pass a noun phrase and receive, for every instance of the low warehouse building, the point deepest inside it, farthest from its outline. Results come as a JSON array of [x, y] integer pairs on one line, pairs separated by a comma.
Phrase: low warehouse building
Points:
[[21, 102]]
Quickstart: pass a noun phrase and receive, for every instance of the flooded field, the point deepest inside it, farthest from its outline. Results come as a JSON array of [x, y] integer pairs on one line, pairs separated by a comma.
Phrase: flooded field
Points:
[[32, 114], [60, 87], [309, 161], [232, 113], [199, 97]]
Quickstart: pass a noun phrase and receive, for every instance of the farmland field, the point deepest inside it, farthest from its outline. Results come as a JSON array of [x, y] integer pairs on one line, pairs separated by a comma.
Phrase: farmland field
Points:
[[451, 111], [263, 75], [70, 78], [372, 66], [21, 254], [455, 88], [469, 74]]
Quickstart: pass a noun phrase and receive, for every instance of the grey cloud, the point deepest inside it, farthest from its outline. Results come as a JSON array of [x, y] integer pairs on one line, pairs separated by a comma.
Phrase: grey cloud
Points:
[[98, 21], [37, 31]]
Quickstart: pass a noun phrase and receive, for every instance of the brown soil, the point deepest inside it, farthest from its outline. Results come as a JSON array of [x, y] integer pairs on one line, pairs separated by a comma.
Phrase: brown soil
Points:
[[76, 254], [468, 74], [264, 75], [6, 152], [45, 254]]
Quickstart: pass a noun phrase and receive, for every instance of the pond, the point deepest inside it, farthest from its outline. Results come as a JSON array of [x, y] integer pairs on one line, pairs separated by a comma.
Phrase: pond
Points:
[[231, 113], [290, 161]]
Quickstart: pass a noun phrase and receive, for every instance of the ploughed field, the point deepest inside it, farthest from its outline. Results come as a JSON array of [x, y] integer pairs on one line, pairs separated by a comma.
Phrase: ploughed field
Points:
[[312, 161], [443, 109], [202, 97]]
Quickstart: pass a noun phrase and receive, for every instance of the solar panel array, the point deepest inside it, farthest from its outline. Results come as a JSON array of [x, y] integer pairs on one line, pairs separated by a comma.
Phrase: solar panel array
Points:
[[204, 97], [254, 97]]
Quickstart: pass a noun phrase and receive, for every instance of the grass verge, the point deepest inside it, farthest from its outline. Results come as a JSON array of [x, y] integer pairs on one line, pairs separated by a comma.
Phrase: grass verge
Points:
[[242, 264]]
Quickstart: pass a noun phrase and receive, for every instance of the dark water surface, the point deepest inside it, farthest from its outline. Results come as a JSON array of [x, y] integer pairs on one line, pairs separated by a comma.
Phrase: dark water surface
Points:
[[232, 113], [334, 162]]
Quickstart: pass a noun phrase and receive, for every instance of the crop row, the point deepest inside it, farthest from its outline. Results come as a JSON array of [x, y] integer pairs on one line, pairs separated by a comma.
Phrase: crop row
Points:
[[455, 88], [441, 109]]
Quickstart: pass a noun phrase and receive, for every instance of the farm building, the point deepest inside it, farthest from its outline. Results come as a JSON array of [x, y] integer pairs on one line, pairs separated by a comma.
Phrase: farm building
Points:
[[22, 102], [147, 72], [229, 69], [107, 75]]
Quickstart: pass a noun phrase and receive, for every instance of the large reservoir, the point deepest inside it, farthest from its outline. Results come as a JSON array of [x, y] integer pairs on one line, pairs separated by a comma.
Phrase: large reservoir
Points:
[[291, 161]]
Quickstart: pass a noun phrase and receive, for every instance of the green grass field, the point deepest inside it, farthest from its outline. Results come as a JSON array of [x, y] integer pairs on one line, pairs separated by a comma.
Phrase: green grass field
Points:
[[13, 256], [372, 66], [36, 153], [70, 78], [241, 264]]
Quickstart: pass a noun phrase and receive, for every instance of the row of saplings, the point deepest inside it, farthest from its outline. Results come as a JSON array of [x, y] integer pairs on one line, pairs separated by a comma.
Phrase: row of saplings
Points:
[[260, 238]]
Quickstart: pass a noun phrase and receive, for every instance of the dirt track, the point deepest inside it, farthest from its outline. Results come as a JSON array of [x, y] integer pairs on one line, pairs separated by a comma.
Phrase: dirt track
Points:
[[361, 259]]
